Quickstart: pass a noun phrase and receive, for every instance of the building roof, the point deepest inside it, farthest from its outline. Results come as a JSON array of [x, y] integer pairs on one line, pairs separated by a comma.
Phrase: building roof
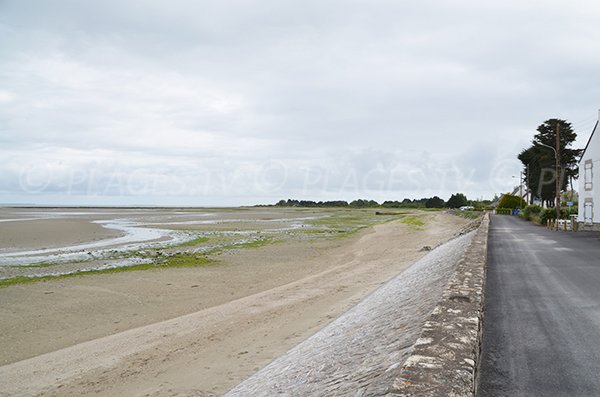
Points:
[[589, 140]]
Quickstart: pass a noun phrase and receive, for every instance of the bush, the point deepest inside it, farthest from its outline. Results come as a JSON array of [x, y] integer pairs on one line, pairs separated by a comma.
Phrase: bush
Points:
[[512, 202], [550, 213], [531, 212]]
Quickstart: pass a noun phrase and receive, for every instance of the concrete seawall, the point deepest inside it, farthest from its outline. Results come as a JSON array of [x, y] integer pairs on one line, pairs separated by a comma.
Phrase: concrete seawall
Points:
[[445, 358], [362, 352]]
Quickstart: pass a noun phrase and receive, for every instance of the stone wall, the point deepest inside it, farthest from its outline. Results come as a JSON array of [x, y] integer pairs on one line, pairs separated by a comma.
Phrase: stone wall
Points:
[[445, 357]]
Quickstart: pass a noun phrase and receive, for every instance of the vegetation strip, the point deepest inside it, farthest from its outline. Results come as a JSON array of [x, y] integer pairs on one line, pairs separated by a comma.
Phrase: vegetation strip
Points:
[[176, 260]]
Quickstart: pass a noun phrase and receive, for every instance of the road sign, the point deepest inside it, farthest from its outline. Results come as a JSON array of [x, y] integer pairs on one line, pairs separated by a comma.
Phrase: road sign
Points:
[[569, 203]]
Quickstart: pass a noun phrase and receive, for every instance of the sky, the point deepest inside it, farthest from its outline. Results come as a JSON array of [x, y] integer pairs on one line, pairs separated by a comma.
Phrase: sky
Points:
[[241, 102]]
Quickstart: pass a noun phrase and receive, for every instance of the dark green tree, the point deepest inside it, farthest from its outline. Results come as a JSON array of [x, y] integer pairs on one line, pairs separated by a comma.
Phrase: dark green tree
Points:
[[457, 200], [391, 204], [364, 203], [434, 202], [539, 160]]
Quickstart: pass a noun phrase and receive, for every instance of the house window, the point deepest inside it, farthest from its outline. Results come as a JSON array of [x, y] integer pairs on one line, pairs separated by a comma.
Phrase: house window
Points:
[[588, 211], [588, 174]]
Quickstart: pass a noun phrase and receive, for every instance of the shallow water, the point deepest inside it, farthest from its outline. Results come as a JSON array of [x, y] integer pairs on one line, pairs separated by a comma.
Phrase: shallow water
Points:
[[138, 229]]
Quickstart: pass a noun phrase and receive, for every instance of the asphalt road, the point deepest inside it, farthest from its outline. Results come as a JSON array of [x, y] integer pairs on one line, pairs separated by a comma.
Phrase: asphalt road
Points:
[[541, 332]]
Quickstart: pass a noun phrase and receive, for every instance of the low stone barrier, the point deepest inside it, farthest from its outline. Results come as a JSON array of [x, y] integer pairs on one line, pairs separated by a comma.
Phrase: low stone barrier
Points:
[[445, 357]]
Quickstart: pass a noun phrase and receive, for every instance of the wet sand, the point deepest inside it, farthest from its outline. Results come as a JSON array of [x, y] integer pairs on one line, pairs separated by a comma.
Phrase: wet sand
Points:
[[42, 233], [49, 242], [194, 331]]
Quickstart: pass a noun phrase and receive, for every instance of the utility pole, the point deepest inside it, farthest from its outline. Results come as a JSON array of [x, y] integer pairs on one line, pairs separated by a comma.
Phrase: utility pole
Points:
[[557, 153], [529, 197], [520, 189]]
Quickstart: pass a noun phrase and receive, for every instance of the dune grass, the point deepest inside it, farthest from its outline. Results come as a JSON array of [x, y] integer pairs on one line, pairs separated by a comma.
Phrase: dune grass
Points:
[[413, 221]]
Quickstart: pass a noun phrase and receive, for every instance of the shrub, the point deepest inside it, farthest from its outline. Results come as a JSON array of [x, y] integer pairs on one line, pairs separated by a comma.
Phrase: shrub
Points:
[[512, 202], [550, 213], [531, 212]]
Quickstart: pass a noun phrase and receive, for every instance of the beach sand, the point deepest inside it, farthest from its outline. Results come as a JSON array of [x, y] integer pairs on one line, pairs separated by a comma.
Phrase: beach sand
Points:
[[42, 233], [194, 331]]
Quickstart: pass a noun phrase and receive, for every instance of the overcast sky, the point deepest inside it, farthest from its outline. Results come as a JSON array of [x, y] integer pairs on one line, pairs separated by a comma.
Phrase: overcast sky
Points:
[[242, 102]]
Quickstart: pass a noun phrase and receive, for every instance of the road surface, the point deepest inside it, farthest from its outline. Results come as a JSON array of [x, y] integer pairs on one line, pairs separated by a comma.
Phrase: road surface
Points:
[[541, 334]]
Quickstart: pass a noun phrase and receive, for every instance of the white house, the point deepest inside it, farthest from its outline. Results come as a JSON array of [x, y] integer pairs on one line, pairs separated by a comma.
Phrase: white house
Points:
[[589, 182]]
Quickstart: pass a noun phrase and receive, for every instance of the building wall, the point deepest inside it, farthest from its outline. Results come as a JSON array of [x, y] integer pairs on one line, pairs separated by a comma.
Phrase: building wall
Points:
[[589, 181]]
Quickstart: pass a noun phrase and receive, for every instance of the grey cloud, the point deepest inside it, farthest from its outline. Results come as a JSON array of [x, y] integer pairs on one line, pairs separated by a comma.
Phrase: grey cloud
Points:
[[353, 90]]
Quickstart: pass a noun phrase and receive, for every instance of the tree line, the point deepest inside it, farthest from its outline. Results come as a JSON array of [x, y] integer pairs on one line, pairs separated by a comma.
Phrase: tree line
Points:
[[455, 201]]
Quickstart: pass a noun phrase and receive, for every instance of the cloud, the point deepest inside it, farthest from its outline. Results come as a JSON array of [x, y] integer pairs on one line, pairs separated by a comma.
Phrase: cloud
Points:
[[260, 97]]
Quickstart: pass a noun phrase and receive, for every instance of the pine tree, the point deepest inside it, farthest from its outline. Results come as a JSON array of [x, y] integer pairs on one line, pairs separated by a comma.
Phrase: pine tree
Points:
[[539, 161]]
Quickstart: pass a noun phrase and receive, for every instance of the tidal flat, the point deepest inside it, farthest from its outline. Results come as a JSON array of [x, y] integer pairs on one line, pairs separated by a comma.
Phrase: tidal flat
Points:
[[224, 291], [42, 243]]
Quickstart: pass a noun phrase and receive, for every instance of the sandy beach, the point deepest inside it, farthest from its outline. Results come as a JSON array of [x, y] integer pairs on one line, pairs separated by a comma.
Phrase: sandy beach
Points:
[[41, 233], [197, 330]]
